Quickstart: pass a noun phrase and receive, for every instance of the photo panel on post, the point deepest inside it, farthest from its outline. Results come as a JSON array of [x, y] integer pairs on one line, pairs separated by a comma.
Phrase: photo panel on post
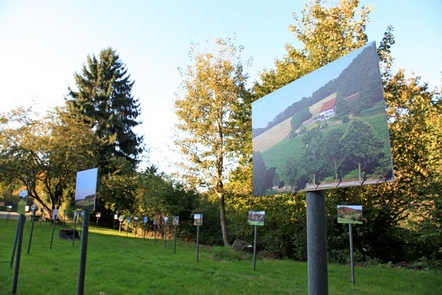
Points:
[[86, 189], [176, 220], [325, 130], [22, 201], [256, 218], [198, 219], [350, 214]]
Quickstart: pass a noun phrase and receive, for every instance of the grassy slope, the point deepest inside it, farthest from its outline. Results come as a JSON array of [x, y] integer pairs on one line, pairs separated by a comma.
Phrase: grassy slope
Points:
[[117, 264]]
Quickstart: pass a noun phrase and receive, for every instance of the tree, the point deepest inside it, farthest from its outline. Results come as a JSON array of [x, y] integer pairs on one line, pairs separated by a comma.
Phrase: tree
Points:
[[327, 33], [43, 154], [214, 113], [104, 100], [362, 146], [333, 151]]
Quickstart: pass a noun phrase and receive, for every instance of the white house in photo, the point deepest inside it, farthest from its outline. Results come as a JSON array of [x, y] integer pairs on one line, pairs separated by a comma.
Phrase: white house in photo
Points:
[[328, 109]]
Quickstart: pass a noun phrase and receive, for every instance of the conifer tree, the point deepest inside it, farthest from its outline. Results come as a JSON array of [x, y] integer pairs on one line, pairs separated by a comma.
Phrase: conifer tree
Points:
[[103, 98]]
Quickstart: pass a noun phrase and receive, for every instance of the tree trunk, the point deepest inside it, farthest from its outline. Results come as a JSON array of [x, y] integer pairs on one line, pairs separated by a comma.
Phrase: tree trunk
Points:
[[222, 217]]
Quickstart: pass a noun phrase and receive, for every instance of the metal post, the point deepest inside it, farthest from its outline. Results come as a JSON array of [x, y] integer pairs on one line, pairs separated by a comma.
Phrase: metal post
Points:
[[75, 228], [15, 243], [316, 244], [21, 221], [32, 230], [254, 249], [197, 241], [165, 232], [350, 234], [53, 229], [83, 253], [174, 239]]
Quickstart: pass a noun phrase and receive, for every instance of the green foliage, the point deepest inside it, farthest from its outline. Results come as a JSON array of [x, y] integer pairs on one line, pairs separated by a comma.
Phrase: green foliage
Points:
[[104, 100], [326, 33], [43, 154], [214, 110]]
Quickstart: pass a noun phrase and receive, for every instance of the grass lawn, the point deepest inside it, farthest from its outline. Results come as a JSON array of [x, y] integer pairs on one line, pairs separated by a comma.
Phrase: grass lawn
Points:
[[118, 263]]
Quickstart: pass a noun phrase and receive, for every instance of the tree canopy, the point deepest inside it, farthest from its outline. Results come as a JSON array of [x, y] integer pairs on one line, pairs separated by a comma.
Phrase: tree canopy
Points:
[[214, 112], [103, 99]]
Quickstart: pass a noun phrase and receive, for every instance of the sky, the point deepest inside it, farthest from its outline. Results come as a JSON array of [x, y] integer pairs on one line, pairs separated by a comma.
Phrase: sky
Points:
[[43, 43]]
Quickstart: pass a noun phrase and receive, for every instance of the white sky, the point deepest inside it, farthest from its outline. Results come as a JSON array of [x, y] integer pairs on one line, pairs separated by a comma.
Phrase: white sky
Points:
[[43, 43]]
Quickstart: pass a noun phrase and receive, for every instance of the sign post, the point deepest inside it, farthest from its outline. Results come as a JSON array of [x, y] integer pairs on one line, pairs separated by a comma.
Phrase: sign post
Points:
[[33, 208], [97, 215], [166, 219], [144, 227], [127, 225], [294, 127], [155, 230], [22, 199], [54, 221], [85, 198], [136, 225], [255, 218], [198, 221], [351, 214], [176, 221], [120, 220]]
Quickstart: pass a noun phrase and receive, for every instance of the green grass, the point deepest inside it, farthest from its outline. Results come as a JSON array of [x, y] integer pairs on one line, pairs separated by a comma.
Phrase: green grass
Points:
[[120, 264]]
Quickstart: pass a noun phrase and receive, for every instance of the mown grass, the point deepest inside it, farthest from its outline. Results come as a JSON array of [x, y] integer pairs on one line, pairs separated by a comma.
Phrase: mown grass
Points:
[[121, 264]]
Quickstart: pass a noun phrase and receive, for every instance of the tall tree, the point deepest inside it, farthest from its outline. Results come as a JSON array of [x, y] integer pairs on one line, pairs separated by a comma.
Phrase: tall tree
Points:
[[214, 112], [327, 33], [104, 100]]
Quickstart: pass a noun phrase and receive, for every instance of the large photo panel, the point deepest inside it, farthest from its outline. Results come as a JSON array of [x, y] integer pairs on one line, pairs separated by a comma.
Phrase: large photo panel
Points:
[[325, 130], [86, 189]]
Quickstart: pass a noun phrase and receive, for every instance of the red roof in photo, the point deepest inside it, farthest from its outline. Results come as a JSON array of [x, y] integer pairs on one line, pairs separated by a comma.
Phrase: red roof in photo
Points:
[[328, 105]]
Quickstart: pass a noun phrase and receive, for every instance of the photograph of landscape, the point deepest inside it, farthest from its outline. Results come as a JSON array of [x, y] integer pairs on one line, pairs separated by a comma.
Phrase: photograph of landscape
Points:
[[86, 189], [256, 218], [350, 214], [325, 130], [198, 219]]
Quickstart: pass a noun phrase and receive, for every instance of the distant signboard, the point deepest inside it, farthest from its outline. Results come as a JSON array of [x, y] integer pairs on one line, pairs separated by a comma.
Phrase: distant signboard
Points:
[[350, 214], [86, 189], [256, 218], [176, 220], [198, 219], [325, 130]]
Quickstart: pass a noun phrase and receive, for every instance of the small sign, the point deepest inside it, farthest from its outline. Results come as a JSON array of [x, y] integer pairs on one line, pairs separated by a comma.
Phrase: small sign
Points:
[[136, 218], [145, 219], [128, 219], [34, 208], [350, 214], [176, 220], [22, 200], [198, 219], [98, 214], [115, 216], [154, 221], [166, 219], [256, 218], [120, 218], [55, 214]]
